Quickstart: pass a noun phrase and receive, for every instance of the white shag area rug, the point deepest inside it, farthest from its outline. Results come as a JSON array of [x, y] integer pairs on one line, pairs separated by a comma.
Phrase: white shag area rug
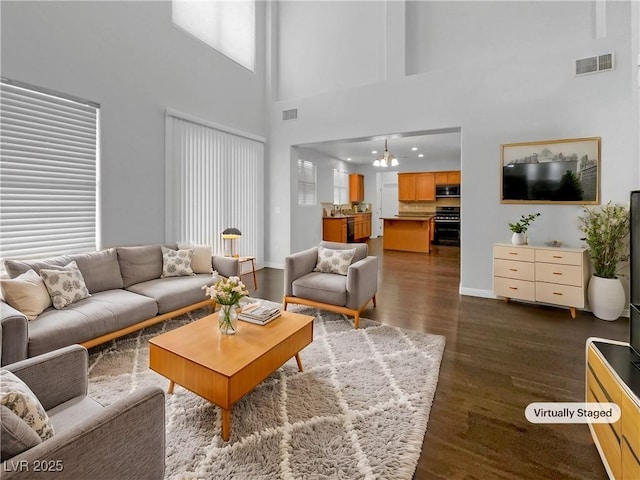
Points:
[[358, 411]]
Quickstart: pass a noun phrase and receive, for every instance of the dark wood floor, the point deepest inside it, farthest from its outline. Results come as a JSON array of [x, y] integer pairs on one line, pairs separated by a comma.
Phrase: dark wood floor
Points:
[[499, 358]]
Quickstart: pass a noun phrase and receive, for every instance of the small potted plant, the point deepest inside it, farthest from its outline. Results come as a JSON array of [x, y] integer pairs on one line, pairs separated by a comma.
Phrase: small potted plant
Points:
[[606, 231], [520, 227]]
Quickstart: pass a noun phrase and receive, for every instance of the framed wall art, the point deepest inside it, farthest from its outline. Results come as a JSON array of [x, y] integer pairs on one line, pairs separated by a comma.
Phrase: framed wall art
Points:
[[553, 171]]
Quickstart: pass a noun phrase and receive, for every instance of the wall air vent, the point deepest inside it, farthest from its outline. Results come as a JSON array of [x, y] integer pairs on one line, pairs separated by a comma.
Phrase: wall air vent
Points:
[[595, 64], [290, 114]]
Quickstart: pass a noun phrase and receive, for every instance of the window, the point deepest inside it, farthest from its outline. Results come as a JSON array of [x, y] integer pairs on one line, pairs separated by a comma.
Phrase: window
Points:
[[214, 180], [340, 187], [48, 172], [227, 26], [306, 182]]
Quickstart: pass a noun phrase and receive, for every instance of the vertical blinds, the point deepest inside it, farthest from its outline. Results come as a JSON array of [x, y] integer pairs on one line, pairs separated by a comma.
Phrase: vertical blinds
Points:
[[214, 180], [306, 182], [48, 173]]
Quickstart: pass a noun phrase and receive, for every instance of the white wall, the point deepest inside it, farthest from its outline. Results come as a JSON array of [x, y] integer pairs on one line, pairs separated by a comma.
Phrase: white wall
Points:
[[129, 57], [333, 45], [535, 97]]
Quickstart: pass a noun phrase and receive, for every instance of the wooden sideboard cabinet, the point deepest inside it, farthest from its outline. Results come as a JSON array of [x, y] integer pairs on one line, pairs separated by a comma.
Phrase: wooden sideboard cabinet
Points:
[[555, 276], [611, 377]]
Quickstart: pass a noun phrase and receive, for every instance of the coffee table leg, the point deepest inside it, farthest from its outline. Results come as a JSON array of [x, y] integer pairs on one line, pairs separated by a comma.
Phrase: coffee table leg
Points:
[[226, 424], [171, 385], [300, 368]]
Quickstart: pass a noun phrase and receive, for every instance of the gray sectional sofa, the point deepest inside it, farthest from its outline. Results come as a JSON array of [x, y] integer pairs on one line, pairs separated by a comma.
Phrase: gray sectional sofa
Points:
[[127, 293]]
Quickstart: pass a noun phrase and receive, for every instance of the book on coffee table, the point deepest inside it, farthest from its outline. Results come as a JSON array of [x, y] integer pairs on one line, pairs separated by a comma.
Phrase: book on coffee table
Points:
[[259, 314]]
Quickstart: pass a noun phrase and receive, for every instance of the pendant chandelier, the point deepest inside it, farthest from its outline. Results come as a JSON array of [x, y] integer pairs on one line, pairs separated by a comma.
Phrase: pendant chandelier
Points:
[[386, 159]]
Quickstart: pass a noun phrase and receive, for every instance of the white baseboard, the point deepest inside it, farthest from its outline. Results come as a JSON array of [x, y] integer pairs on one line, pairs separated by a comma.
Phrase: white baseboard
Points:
[[476, 292], [279, 266]]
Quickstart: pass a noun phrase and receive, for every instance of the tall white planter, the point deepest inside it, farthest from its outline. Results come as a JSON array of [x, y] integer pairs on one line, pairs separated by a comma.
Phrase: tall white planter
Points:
[[606, 297]]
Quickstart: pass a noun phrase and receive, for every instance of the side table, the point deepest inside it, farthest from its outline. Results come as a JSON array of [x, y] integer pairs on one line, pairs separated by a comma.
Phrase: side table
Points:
[[242, 260]]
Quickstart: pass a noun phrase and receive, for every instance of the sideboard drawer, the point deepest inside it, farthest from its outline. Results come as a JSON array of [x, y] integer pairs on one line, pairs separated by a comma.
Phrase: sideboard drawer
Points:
[[554, 293], [514, 269], [524, 254], [556, 273], [605, 377], [558, 256], [631, 425], [512, 288]]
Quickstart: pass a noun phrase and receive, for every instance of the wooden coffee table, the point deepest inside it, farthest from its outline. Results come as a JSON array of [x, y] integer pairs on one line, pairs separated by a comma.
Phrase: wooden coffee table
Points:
[[223, 368]]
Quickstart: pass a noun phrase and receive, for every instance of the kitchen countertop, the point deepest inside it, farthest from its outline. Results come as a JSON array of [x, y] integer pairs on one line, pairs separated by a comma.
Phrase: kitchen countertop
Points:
[[425, 217], [347, 215]]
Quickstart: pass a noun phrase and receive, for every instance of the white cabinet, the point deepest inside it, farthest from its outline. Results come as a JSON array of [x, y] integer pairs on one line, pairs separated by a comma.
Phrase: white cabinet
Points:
[[557, 276]]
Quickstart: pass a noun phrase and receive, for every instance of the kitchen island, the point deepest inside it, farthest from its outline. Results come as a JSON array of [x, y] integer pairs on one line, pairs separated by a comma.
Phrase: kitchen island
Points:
[[408, 233]]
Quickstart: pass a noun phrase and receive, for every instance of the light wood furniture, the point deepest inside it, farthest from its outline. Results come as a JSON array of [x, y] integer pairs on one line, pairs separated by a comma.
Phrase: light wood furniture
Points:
[[610, 377], [362, 226], [334, 229], [224, 368], [448, 178], [356, 187], [407, 234], [557, 276], [416, 187], [242, 260]]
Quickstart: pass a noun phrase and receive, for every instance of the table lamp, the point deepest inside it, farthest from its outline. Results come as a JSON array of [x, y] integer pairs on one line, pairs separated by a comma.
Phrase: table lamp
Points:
[[230, 238]]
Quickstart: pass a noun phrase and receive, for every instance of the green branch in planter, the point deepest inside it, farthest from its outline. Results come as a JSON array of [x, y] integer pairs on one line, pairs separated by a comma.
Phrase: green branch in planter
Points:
[[522, 225], [606, 231]]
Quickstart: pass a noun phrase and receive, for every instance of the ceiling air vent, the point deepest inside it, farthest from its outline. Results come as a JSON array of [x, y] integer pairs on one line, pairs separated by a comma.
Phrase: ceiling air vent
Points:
[[290, 114], [595, 64]]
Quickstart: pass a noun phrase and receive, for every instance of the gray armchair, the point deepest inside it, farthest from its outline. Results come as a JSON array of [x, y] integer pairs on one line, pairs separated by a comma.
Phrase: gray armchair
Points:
[[348, 294], [124, 440]]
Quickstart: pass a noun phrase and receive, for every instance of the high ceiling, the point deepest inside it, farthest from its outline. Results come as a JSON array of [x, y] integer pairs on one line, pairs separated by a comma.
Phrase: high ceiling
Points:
[[441, 144]]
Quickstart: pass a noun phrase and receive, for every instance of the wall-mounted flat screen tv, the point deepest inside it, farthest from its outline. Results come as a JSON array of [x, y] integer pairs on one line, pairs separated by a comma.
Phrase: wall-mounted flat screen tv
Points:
[[563, 171]]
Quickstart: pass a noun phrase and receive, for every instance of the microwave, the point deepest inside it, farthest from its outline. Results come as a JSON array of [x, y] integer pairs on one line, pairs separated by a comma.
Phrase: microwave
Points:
[[451, 191]]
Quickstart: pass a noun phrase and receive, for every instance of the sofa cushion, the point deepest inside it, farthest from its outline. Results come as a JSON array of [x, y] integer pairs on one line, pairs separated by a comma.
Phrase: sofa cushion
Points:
[[16, 435], [172, 293], [322, 287], [65, 285], [73, 412], [362, 250], [101, 270], [139, 264], [101, 313], [27, 294], [176, 263], [18, 397], [334, 261], [17, 267]]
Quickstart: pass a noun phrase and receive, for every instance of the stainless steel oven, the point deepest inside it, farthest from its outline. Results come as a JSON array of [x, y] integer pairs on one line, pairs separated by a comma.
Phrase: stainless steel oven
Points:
[[447, 230]]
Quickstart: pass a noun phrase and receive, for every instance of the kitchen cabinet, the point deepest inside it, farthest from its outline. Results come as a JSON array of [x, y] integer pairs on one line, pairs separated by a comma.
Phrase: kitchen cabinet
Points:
[[334, 229], [448, 178], [414, 187], [356, 187], [362, 226]]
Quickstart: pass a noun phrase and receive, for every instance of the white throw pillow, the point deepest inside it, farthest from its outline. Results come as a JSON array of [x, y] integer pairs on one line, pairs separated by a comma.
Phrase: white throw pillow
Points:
[[18, 397], [176, 263], [27, 294], [334, 261], [65, 285], [201, 259]]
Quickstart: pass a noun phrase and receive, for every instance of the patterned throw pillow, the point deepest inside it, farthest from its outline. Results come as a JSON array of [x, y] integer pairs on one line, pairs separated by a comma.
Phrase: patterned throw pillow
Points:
[[334, 261], [18, 397], [176, 263], [65, 285]]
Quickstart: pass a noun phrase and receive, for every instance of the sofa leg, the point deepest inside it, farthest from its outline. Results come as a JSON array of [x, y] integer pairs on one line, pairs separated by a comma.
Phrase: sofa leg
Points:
[[374, 301], [356, 320]]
